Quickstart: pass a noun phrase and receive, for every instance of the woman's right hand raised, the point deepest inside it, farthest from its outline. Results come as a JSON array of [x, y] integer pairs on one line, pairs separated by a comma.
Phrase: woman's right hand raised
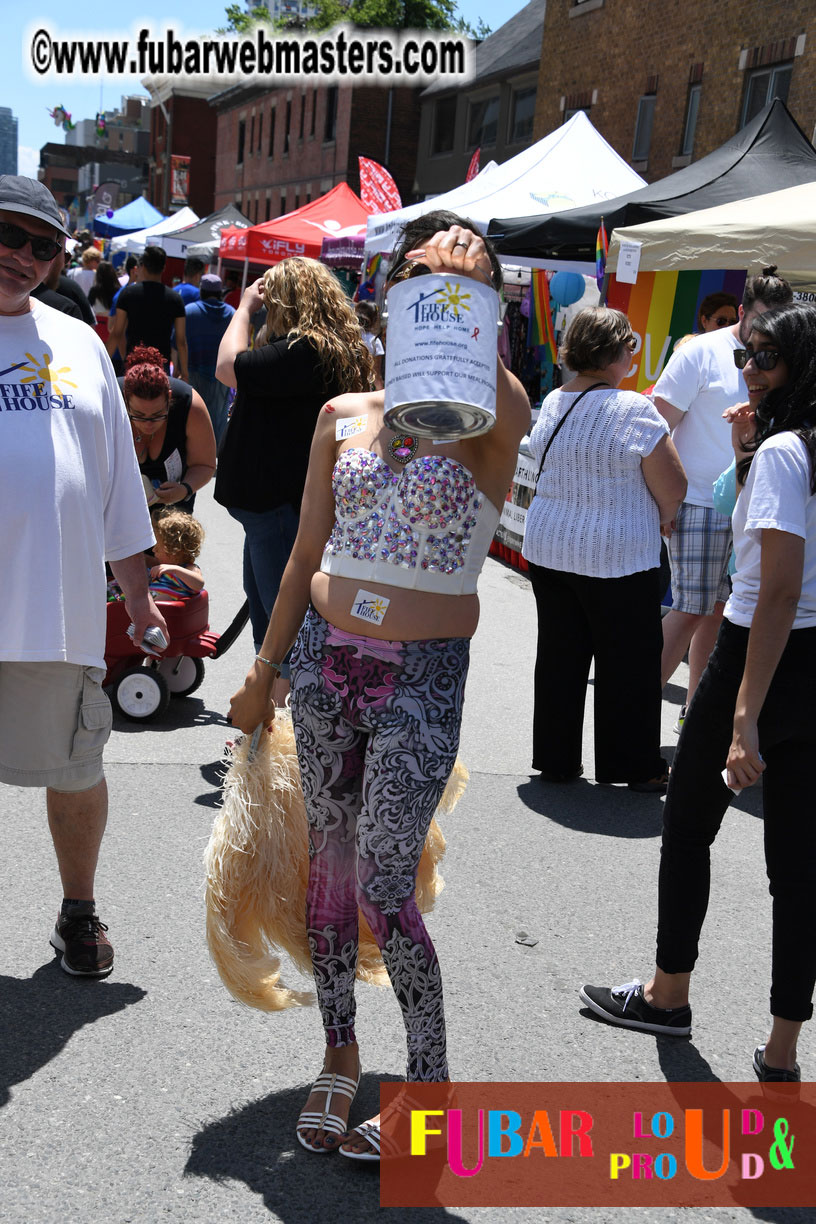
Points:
[[253, 703], [252, 298]]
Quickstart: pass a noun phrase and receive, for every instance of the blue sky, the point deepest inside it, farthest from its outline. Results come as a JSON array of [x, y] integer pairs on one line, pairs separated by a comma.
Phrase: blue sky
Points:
[[31, 101]]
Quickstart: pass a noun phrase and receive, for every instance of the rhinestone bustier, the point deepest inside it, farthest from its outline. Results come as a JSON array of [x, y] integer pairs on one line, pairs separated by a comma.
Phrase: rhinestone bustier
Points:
[[427, 527]]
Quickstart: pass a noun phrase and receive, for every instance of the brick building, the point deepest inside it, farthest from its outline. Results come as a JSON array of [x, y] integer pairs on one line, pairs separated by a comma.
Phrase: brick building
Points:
[[492, 112], [182, 124], [278, 149], [667, 84]]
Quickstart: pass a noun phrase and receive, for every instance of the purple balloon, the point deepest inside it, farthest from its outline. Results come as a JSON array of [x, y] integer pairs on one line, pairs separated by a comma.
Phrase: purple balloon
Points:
[[109, 213]]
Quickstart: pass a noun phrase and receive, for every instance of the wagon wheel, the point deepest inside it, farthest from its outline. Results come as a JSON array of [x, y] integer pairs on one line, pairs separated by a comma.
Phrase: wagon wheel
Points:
[[183, 674], [141, 693]]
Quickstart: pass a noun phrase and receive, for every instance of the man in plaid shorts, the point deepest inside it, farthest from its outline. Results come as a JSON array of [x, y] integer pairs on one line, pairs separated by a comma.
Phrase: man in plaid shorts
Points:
[[699, 382]]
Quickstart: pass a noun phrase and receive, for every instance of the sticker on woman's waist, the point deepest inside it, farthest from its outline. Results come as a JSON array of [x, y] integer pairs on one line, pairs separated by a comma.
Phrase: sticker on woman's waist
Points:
[[349, 427], [173, 466], [370, 607]]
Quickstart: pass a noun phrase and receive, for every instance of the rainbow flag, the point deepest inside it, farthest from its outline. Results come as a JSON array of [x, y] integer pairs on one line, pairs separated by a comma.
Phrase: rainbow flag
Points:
[[601, 252], [662, 307], [366, 289], [540, 329]]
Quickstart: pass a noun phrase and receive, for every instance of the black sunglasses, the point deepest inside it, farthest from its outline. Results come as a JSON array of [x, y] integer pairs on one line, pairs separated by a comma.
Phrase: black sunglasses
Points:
[[14, 237], [765, 359], [723, 321]]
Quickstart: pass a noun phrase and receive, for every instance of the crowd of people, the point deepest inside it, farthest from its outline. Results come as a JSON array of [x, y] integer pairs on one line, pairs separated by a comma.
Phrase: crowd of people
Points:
[[362, 553]]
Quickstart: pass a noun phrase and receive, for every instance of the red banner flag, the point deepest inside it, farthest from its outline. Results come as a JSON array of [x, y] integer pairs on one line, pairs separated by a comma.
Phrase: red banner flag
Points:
[[473, 168], [378, 191]]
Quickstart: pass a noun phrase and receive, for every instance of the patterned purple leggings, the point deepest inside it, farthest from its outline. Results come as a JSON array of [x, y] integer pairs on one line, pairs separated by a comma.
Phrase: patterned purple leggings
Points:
[[377, 729]]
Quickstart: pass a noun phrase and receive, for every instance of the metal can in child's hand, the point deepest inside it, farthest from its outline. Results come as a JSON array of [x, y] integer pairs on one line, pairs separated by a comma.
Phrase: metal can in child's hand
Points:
[[440, 360], [153, 642]]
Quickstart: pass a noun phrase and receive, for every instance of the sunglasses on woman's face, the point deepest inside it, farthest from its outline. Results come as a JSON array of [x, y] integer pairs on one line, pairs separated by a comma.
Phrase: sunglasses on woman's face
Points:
[[150, 420], [723, 320], [765, 359], [14, 237]]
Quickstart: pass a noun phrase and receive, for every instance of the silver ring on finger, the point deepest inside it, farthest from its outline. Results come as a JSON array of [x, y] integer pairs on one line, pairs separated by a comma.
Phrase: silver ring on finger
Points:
[[465, 245]]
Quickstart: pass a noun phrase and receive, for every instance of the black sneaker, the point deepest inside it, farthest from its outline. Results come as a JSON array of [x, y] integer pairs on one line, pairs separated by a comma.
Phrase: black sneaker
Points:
[[85, 950], [774, 1075], [626, 1007]]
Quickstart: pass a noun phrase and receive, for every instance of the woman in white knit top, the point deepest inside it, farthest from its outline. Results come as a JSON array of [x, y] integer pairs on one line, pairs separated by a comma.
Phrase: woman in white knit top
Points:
[[610, 483]]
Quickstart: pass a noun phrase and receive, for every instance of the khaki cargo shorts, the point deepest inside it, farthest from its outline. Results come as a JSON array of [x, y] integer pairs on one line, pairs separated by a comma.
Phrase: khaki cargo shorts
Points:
[[54, 723]]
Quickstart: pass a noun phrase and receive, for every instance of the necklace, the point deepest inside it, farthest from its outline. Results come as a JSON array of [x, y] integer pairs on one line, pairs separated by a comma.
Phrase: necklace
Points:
[[403, 448]]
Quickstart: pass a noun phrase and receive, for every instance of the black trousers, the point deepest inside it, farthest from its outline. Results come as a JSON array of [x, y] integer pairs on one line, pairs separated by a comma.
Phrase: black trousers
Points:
[[616, 621], [698, 798]]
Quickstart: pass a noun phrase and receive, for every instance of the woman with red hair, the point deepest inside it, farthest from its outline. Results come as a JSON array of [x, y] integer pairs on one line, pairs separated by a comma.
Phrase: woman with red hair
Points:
[[172, 432]]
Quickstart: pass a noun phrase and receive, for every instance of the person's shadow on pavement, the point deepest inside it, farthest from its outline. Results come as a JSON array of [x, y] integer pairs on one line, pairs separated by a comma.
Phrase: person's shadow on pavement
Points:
[[40, 1014], [256, 1145]]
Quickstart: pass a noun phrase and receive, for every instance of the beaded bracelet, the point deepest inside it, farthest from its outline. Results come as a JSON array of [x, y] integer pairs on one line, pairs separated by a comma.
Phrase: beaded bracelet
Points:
[[275, 666]]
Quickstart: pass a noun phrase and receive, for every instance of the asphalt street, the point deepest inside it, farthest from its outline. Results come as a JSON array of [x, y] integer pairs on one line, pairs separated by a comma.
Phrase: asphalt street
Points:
[[153, 1096]]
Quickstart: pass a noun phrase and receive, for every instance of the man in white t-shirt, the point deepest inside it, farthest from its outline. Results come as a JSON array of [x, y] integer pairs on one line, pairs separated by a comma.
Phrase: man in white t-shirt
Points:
[[70, 497], [699, 382]]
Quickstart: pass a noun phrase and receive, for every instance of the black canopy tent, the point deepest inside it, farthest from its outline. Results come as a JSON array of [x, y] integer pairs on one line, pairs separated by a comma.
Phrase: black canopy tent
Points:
[[769, 153]]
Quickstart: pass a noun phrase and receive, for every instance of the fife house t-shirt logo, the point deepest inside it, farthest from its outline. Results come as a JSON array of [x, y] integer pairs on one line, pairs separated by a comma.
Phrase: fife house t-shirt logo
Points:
[[38, 385]]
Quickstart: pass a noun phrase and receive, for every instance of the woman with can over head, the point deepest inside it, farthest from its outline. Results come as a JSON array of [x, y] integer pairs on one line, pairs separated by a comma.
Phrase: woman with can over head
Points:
[[397, 528]]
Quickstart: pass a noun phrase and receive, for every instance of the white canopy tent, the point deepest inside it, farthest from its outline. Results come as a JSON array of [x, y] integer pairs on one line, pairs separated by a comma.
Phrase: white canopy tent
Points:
[[572, 166], [134, 244], [777, 228]]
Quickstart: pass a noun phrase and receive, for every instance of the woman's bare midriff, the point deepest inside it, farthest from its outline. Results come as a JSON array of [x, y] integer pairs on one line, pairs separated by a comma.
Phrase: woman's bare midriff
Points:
[[411, 615]]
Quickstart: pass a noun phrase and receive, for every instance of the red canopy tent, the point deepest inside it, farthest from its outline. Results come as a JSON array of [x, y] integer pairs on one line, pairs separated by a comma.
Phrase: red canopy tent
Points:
[[337, 214]]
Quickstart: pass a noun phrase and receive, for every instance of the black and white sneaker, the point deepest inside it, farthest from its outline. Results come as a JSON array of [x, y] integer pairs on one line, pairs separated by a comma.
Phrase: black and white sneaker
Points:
[[626, 1007]]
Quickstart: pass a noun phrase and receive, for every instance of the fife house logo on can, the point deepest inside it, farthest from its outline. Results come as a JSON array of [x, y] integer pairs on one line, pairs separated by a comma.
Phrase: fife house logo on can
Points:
[[441, 305]]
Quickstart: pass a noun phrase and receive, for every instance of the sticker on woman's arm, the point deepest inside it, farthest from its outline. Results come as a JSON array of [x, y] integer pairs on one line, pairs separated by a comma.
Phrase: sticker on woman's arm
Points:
[[351, 426], [370, 607]]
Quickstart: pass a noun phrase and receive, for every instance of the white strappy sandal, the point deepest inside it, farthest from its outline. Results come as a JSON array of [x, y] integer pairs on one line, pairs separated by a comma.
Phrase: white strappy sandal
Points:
[[331, 1084], [370, 1131]]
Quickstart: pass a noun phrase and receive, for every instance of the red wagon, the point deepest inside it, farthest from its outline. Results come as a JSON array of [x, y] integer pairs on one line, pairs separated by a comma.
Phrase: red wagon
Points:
[[142, 685]]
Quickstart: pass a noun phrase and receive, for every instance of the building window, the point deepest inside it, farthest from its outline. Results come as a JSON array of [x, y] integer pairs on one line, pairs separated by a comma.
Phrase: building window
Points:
[[569, 111], [272, 132], [762, 86], [241, 139], [287, 129], [302, 114], [643, 128], [260, 132], [282, 204], [252, 135], [690, 127], [484, 122], [268, 207], [521, 118], [314, 113], [330, 128], [444, 126]]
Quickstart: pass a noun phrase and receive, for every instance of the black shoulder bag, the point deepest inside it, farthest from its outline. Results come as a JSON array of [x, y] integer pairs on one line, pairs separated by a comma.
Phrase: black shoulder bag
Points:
[[554, 433]]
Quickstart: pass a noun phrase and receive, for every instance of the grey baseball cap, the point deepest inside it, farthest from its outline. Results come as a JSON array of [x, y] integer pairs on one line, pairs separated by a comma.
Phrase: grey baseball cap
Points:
[[211, 285], [31, 198]]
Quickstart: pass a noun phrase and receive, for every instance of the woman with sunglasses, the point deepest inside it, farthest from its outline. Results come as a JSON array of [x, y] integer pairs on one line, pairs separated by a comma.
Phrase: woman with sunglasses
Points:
[[753, 711], [396, 529], [172, 432]]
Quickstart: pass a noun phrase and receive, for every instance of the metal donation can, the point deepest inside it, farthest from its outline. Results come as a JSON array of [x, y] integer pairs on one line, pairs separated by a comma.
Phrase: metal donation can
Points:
[[440, 359]]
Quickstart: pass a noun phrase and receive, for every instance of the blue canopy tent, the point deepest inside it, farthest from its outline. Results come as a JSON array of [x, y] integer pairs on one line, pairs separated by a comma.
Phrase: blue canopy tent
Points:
[[137, 215]]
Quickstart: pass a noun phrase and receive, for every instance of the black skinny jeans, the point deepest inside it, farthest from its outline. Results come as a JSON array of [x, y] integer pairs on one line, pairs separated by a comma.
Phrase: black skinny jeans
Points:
[[698, 798], [616, 621]]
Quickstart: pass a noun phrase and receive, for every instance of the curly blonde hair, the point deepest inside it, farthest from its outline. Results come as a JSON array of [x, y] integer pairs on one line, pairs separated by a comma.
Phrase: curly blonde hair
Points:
[[304, 300], [179, 533]]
